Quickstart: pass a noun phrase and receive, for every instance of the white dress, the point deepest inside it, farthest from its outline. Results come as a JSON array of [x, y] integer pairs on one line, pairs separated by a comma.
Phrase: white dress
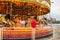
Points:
[[22, 21]]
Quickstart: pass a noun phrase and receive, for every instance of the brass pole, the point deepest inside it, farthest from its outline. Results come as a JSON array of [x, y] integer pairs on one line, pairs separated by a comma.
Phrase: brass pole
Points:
[[10, 10]]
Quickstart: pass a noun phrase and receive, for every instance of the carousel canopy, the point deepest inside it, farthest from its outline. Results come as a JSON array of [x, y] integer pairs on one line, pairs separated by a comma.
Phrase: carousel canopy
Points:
[[25, 8]]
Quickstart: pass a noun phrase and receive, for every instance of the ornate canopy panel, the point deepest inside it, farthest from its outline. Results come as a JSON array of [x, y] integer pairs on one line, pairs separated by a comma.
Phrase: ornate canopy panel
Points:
[[26, 7]]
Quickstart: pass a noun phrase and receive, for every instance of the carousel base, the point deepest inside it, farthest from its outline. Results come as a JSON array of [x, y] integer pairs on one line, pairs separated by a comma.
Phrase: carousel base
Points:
[[25, 33], [29, 38]]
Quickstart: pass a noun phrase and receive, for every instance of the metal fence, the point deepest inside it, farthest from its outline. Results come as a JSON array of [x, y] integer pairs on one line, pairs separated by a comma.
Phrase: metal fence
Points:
[[56, 31]]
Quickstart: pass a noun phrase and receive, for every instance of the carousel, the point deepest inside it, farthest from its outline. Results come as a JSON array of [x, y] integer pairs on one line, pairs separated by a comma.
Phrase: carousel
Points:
[[16, 18]]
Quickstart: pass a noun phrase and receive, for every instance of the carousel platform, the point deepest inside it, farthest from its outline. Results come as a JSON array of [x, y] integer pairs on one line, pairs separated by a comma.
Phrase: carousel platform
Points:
[[25, 32]]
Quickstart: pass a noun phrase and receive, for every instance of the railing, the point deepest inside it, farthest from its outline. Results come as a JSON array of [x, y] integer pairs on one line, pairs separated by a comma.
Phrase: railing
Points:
[[56, 31]]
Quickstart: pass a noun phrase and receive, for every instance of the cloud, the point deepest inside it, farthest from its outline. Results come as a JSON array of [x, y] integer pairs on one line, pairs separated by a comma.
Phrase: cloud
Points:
[[55, 9]]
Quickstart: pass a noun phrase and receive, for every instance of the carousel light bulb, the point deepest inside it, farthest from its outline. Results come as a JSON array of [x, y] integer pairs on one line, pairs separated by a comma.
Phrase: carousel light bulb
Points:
[[38, 1]]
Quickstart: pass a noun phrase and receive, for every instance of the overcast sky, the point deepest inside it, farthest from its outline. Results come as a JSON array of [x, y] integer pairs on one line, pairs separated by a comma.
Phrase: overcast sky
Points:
[[55, 9]]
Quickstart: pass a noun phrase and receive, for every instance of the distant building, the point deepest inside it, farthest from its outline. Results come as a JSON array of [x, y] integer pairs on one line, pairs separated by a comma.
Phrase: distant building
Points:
[[53, 20]]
